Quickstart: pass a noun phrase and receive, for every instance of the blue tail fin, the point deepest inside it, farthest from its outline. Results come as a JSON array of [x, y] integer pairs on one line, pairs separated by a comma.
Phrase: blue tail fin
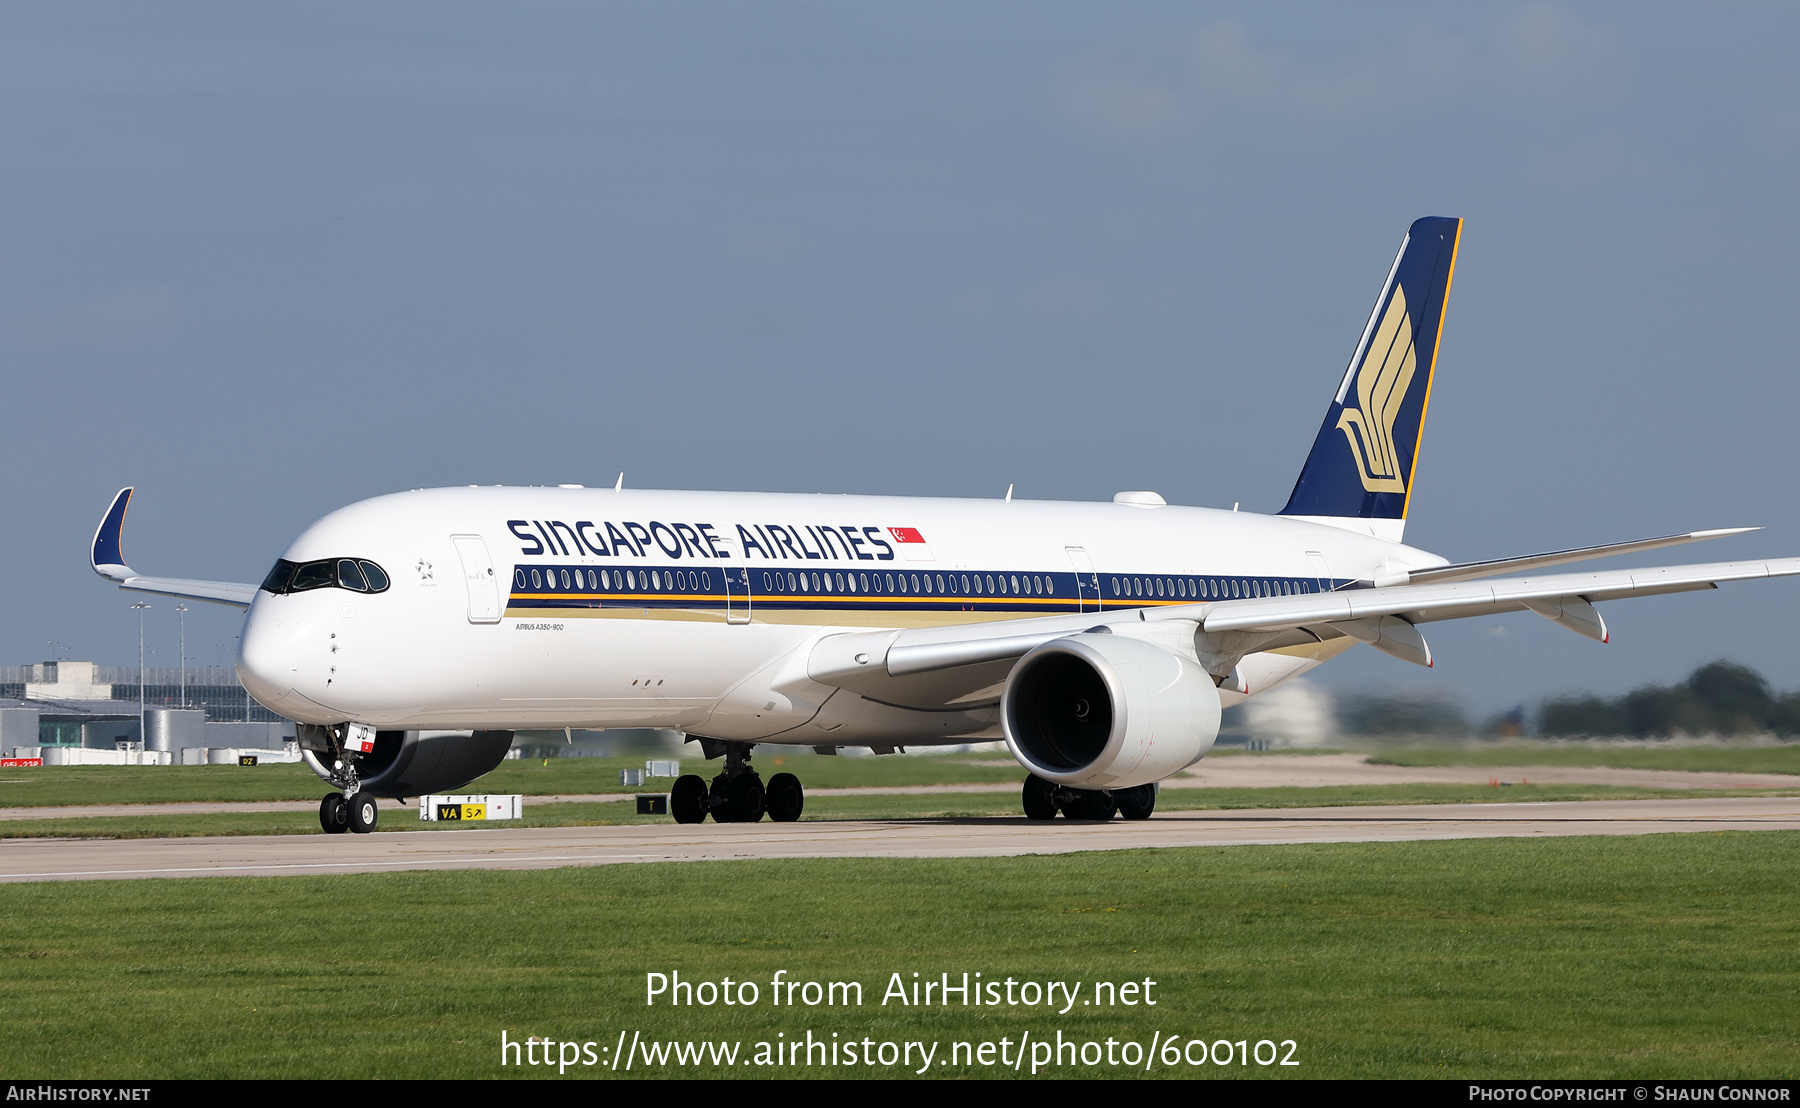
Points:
[[1361, 465]]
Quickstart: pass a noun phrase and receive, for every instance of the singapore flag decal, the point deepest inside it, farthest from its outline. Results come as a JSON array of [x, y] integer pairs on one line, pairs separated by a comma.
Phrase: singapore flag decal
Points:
[[912, 544]]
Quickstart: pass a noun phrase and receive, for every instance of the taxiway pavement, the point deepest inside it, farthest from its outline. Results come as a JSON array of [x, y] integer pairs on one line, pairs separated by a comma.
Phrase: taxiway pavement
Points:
[[1253, 772], [551, 847]]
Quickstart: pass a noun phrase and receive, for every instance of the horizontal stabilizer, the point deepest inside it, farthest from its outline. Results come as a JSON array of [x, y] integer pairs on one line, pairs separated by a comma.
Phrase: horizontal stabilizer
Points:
[[1494, 567], [108, 559]]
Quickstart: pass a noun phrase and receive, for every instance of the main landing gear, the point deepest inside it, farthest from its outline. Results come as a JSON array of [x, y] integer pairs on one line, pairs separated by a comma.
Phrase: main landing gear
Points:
[[737, 795], [339, 813], [1042, 800]]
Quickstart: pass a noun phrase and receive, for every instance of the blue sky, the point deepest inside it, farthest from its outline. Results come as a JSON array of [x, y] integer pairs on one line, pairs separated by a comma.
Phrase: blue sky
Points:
[[266, 260]]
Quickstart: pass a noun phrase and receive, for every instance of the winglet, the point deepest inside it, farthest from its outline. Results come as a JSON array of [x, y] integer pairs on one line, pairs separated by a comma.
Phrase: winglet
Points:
[[107, 559]]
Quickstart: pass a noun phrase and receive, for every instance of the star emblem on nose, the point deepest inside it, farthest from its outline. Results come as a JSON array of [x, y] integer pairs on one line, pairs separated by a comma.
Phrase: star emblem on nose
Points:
[[424, 568]]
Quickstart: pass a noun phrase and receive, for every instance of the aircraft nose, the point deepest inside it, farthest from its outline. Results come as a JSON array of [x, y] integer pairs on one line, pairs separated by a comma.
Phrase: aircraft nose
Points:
[[268, 655]]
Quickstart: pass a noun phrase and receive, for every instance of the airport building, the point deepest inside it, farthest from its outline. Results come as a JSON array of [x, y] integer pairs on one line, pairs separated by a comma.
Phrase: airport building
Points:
[[54, 709]]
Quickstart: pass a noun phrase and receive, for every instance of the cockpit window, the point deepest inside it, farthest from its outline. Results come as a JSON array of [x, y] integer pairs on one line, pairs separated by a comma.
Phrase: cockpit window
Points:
[[355, 574], [312, 575], [378, 581], [278, 578], [350, 576]]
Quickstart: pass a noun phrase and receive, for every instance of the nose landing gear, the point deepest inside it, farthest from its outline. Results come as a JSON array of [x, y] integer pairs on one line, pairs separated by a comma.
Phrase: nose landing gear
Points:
[[334, 814], [339, 813], [737, 795], [344, 744]]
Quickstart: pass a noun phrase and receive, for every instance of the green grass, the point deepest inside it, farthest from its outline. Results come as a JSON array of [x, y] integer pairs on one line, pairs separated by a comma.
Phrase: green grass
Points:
[[44, 786], [54, 786], [1720, 759], [1656, 956], [913, 806]]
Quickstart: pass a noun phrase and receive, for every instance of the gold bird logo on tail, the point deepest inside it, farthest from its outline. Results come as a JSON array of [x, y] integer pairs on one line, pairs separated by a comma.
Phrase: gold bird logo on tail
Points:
[[1381, 384]]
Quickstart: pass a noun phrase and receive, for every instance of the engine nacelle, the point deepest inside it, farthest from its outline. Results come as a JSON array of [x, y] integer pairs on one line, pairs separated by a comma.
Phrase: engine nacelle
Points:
[[414, 763], [1102, 711]]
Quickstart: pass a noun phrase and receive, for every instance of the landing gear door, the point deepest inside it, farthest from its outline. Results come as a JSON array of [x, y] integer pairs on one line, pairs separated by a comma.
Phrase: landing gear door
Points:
[[1087, 582], [478, 578]]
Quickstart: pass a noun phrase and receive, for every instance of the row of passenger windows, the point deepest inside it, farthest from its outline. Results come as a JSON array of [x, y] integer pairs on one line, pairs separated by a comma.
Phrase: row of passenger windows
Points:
[[355, 574], [1205, 588], [632, 580], [320, 574], [536, 579], [940, 584]]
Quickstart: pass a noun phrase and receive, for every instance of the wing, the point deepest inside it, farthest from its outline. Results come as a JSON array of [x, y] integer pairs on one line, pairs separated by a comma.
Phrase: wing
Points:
[[967, 664], [108, 561], [1493, 567]]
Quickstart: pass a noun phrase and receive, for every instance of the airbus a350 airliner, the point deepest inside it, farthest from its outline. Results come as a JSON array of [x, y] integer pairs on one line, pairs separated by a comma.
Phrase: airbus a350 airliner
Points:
[[411, 634]]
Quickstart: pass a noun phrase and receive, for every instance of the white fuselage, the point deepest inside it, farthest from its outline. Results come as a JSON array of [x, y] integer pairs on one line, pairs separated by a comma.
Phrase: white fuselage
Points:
[[571, 607]]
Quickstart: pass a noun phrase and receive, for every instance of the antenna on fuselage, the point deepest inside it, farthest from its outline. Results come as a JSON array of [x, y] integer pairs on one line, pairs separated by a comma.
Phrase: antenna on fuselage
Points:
[[1009, 493], [619, 485]]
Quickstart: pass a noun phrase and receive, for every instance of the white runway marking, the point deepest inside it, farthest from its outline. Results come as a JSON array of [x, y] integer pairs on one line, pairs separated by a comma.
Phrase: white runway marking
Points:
[[549, 847]]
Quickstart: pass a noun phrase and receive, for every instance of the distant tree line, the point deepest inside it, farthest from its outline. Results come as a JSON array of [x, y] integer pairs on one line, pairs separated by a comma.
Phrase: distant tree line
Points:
[[1367, 714], [1719, 698]]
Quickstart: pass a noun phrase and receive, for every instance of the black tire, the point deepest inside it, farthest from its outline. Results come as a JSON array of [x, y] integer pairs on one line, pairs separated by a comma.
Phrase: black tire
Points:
[[687, 800], [363, 813], [334, 814], [784, 798], [744, 798], [1039, 798], [719, 799], [1090, 804], [1136, 803]]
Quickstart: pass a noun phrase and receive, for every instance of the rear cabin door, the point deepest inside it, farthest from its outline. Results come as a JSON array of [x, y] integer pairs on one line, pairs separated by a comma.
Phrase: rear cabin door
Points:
[[1321, 570]]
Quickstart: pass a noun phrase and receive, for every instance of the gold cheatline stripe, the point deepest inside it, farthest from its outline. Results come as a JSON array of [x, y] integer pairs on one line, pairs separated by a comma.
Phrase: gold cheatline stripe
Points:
[[1431, 374]]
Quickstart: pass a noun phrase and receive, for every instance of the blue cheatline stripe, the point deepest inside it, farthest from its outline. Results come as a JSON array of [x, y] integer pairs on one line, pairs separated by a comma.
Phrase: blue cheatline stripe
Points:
[[676, 587]]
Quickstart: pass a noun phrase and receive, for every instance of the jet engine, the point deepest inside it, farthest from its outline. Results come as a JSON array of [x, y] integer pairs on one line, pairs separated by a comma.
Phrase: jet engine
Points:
[[413, 763], [1102, 711]]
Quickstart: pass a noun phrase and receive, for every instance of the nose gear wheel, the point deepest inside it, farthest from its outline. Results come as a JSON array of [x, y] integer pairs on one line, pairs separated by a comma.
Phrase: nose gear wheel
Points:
[[334, 814]]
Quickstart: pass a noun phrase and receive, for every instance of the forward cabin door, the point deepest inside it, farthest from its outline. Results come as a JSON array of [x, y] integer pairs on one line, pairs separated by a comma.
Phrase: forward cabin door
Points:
[[478, 578], [1087, 582]]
